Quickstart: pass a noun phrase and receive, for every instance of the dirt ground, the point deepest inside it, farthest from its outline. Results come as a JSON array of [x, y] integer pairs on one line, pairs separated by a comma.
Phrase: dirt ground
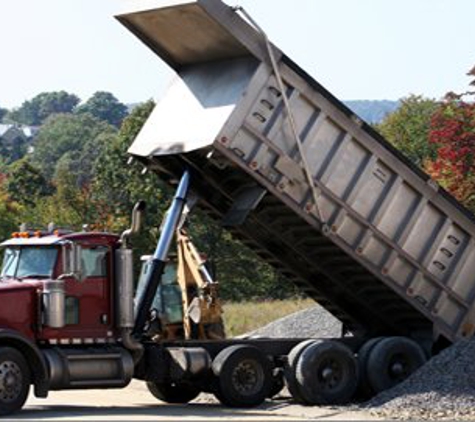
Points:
[[135, 403]]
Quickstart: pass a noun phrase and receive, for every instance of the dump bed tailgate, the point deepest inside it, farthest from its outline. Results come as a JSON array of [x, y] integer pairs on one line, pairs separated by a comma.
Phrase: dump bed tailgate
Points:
[[385, 249]]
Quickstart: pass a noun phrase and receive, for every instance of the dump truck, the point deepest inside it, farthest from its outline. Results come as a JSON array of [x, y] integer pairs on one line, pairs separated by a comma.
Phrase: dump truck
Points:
[[309, 186], [249, 136]]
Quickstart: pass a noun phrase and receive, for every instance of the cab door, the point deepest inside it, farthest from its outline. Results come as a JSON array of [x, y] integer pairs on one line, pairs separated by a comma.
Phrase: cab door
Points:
[[88, 301]]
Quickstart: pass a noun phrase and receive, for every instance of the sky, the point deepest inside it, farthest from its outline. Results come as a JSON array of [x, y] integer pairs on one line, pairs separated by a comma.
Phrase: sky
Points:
[[357, 49]]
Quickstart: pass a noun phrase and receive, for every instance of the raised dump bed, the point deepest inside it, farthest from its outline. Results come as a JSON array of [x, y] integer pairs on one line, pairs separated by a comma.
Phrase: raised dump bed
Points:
[[384, 248]]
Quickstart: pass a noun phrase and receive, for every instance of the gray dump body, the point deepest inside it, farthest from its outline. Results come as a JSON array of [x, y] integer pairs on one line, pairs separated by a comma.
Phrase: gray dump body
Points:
[[386, 250]]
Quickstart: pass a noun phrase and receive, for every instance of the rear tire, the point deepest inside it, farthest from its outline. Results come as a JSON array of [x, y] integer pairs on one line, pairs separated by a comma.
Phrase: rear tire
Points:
[[391, 361], [290, 367], [364, 389], [173, 393], [327, 373], [244, 376], [14, 380]]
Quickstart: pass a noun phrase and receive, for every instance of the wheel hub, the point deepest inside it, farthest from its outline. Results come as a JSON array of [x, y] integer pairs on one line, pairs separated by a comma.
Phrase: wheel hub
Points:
[[10, 381], [330, 374], [327, 373], [246, 378], [398, 369]]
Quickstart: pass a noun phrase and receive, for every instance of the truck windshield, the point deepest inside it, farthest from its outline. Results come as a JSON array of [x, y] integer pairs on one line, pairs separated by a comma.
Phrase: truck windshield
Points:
[[27, 261]]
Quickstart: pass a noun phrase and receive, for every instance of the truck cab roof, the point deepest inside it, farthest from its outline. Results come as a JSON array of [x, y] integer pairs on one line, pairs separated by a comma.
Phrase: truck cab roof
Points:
[[57, 238]]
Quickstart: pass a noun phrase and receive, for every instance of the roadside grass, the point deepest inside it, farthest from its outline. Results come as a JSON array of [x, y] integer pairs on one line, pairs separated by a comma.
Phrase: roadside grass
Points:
[[240, 318]]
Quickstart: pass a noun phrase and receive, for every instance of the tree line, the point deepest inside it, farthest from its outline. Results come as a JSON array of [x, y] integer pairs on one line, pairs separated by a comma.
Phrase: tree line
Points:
[[76, 173], [439, 137]]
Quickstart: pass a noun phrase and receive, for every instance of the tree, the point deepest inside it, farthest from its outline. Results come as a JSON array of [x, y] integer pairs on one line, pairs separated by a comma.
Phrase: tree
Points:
[[104, 106], [9, 211], [71, 205], [12, 152], [118, 183], [79, 136], [25, 184], [35, 111], [241, 273], [453, 134], [81, 163], [13, 145], [408, 128], [118, 186], [3, 113]]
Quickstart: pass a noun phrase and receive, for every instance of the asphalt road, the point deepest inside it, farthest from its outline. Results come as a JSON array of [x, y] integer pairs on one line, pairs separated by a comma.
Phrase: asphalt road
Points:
[[135, 403]]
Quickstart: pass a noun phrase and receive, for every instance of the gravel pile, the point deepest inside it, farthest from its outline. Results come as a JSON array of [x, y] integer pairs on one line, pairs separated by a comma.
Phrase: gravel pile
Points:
[[311, 322], [444, 388]]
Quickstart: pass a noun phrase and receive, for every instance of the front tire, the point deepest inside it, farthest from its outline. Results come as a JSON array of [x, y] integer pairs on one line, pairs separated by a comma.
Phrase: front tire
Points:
[[173, 393], [244, 376], [14, 380]]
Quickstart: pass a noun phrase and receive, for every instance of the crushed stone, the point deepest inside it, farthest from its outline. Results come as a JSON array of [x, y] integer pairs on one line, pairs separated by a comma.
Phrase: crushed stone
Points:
[[442, 389]]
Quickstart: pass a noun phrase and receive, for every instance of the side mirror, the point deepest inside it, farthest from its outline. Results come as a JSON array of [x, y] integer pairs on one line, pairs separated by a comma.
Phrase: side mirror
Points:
[[72, 262]]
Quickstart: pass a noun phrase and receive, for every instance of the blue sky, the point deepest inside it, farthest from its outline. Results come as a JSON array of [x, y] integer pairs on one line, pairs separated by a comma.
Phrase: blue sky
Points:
[[358, 49]]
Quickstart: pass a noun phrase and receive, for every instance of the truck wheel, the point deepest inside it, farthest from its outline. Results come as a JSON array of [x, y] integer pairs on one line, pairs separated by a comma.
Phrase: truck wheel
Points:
[[364, 389], [327, 373], [289, 370], [244, 376], [14, 380], [391, 361], [173, 393]]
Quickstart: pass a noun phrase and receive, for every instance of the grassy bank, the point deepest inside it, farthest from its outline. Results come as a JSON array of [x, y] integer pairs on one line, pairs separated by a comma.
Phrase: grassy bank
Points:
[[243, 317]]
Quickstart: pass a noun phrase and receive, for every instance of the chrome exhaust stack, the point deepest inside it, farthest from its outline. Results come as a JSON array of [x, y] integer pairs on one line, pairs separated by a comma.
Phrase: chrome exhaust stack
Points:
[[136, 224], [125, 284]]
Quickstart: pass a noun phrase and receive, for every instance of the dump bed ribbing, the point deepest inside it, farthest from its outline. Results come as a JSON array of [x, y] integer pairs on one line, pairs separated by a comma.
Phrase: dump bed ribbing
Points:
[[385, 249]]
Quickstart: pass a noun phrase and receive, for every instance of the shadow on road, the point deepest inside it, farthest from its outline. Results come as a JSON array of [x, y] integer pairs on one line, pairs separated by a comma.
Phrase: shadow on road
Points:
[[147, 411]]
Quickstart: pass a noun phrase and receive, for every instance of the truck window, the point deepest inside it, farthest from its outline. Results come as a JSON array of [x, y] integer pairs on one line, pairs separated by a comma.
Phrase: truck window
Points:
[[10, 262], [94, 261], [29, 261]]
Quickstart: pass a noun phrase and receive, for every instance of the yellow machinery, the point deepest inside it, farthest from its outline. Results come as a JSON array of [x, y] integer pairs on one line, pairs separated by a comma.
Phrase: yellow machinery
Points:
[[187, 304]]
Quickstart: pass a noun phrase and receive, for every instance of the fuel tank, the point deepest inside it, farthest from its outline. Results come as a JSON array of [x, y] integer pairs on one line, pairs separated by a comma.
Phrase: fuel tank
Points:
[[81, 368]]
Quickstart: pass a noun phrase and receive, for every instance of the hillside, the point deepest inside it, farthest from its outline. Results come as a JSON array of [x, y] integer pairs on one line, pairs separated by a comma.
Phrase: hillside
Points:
[[372, 111]]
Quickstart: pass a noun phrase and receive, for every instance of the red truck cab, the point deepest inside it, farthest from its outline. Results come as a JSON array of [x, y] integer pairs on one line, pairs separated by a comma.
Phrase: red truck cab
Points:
[[31, 260]]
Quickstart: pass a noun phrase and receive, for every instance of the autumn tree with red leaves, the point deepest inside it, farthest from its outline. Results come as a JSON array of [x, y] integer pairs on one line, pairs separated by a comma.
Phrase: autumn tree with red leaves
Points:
[[452, 130]]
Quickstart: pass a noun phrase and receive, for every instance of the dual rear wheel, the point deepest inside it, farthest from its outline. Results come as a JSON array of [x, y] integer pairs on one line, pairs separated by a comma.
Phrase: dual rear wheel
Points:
[[242, 377], [328, 372], [385, 362], [322, 372]]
